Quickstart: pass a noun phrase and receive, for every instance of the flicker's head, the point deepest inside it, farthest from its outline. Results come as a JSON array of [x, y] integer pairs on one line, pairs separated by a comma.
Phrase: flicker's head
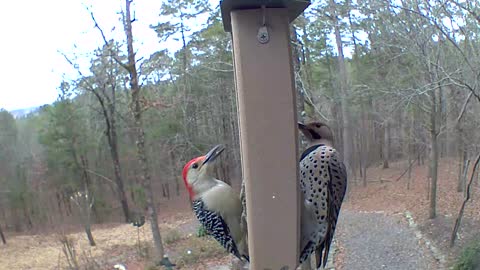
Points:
[[200, 170], [316, 132]]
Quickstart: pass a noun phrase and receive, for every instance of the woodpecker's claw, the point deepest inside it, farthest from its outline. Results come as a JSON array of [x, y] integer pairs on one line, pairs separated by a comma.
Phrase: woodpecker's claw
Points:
[[213, 154]]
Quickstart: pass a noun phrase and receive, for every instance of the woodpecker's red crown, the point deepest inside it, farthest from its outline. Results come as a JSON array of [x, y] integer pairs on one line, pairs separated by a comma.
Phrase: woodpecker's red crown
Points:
[[185, 172]]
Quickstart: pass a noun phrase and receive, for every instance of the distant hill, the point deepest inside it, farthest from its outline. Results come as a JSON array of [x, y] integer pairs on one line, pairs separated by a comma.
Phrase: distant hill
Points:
[[18, 113]]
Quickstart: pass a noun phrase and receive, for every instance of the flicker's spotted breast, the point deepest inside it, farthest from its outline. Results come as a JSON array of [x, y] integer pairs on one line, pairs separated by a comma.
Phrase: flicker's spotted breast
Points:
[[323, 182]]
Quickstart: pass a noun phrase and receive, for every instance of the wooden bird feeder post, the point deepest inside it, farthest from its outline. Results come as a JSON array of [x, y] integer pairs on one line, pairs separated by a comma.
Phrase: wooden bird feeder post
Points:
[[268, 126]]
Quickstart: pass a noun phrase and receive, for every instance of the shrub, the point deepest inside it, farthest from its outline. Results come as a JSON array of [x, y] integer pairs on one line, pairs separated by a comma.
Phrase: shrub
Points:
[[172, 236], [469, 259], [201, 232]]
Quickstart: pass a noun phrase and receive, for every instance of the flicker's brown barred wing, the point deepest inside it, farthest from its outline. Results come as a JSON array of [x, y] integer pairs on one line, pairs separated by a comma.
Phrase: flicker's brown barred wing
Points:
[[337, 186], [314, 179]]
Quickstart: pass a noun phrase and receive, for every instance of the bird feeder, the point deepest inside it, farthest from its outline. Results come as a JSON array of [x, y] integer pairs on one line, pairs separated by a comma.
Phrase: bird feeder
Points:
[[267, 123]]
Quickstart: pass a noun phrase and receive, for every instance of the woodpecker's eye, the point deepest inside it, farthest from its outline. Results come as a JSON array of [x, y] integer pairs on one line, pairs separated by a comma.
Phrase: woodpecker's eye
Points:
[[195, 165], [318, 125]]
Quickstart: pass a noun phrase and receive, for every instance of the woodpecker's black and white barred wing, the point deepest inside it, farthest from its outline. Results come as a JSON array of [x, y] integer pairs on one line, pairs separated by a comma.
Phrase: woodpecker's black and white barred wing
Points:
[[337, 187], [216, 227]]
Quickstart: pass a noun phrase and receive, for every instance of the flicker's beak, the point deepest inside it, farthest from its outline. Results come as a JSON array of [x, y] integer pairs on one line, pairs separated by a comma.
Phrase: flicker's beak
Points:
[[305, 130], [302, 126], [213, 154]]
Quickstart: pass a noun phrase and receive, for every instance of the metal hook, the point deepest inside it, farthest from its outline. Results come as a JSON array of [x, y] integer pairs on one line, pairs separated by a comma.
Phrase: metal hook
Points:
[[262, 35], [264, 14]]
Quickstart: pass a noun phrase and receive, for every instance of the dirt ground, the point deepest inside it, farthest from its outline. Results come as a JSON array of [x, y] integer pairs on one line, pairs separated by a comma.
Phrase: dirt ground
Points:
[[376, 240], [117, 243], [391, 196]]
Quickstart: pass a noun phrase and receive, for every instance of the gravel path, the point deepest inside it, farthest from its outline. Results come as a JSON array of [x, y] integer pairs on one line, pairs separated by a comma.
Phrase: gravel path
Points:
[[378, 241]]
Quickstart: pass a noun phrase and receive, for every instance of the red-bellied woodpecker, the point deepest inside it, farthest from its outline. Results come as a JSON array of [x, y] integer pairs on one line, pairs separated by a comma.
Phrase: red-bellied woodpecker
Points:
[[323, 183], [215, 204]]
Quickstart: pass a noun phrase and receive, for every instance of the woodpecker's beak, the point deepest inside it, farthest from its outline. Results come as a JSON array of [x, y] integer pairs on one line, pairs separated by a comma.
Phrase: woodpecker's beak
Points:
[[213, 154]]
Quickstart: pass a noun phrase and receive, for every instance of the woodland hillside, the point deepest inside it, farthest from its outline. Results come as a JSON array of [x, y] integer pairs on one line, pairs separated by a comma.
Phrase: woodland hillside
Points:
[[398, 81]]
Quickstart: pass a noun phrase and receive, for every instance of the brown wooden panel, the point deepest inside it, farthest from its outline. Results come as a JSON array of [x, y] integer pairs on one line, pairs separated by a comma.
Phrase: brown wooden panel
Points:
[[267, 112]]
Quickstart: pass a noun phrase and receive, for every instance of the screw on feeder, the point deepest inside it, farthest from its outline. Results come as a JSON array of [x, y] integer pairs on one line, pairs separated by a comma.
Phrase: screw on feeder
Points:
[[263, 36]]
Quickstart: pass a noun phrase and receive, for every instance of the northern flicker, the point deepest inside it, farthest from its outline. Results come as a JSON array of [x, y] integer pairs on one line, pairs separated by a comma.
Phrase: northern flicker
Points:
[[323, 183]]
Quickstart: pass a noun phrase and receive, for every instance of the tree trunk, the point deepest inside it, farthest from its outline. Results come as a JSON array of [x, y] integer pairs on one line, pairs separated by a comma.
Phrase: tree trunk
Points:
[[167, 187], [386, 150], [109, 116], [347, 134], [122, 197], [88, 231], [88, 184], [225, 131], [354, 162], [462, 208], [2, 236], [26, 214], [478, 177], [164, 191], [409, 179], [363, 155], [410, 150], [298, 76], [434, 157], [441, 121], [367, 136], [464, 177], [419, 155], [429, 180], [461, 168], [173, 172], [140, 133], [67, 203], [409, 171], [307, 56], [190, 117]]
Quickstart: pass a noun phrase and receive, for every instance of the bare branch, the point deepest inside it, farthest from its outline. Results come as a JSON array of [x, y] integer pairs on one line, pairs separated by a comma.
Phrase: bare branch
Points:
[[100, 175], [308, 98], [112, 54], [462, 208], [98, 27], [462, 112], [439, 28], [471, 12]]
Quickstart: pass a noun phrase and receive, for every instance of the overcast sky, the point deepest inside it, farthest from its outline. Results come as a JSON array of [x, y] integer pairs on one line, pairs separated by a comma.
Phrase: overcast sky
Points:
[[34, 31]]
